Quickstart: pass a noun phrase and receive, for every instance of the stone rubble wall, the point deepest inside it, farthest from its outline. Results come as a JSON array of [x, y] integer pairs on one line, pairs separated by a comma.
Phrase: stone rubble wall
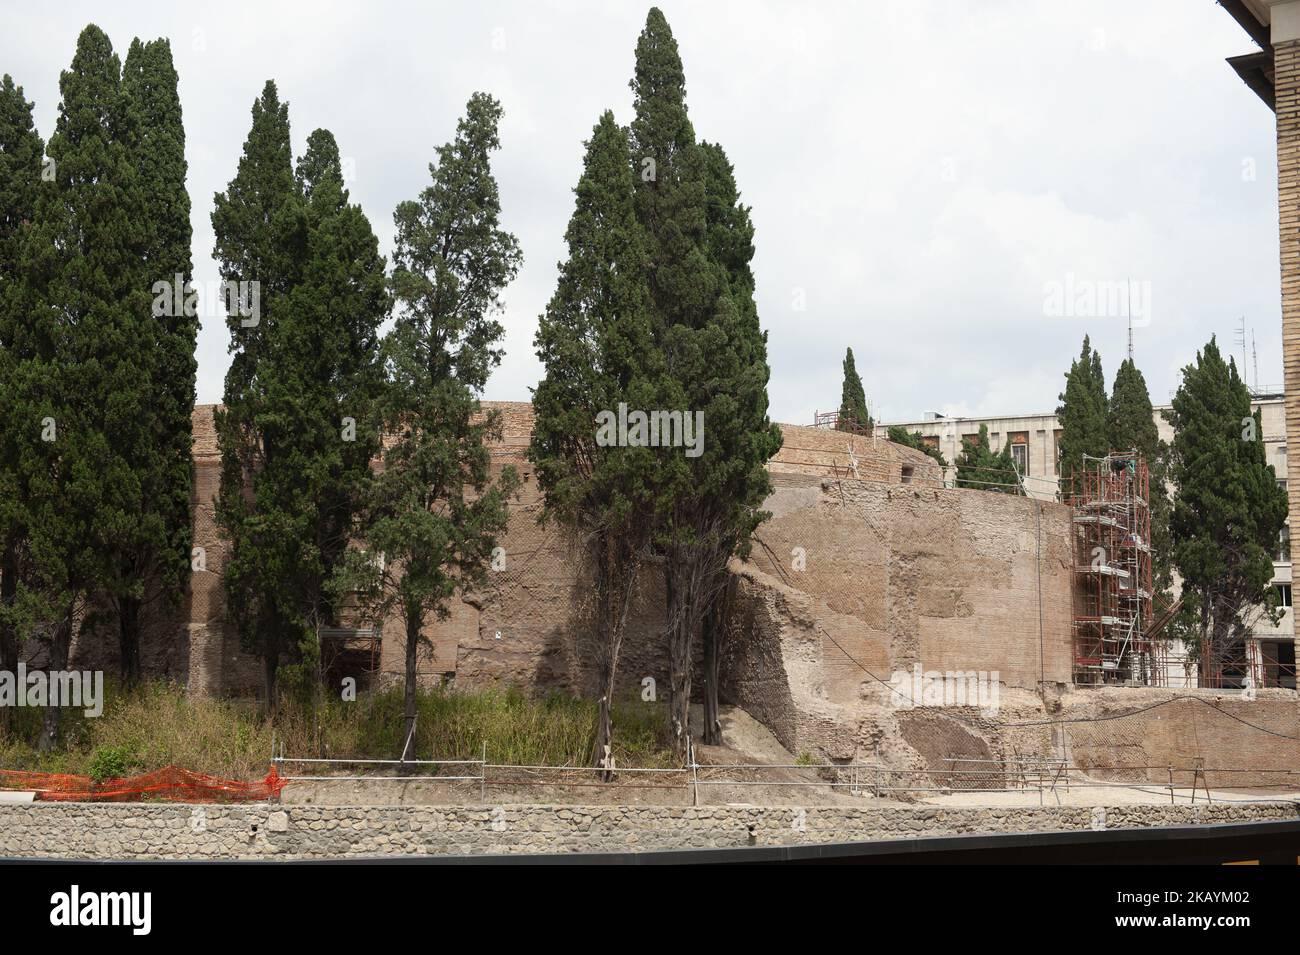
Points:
[[144, 831]]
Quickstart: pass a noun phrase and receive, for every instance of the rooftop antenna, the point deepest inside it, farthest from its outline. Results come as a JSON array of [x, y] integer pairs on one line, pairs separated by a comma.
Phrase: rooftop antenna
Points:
[[1128, 314], [1254, 358], [1239, 337]]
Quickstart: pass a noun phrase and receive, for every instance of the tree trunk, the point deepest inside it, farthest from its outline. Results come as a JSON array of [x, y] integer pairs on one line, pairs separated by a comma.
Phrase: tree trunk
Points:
[[128, 635], [1207, 664], [679, 656], [413, 622], [607, 647], [616, 577], [715, 634], [8, 636], [60, 646]]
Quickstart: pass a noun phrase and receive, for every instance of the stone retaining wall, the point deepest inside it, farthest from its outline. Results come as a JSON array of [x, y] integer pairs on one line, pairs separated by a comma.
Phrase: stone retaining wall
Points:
[[144, 831]]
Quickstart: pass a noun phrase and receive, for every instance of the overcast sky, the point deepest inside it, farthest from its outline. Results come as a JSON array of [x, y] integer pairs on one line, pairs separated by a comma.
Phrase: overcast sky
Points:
[[923, 175]]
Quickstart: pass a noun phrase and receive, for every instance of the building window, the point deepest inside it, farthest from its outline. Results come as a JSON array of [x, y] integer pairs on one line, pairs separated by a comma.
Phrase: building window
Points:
[[1283, 594], [907, 474], [1283, 555], [1020, 450], [931, 441]]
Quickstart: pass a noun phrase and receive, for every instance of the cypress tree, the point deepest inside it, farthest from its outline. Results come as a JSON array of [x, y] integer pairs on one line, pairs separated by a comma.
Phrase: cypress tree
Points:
[[21, 152], [327, 351], [1228, 508], [299, 429], [595, 341], [1083, 416], [686, 288], [260, 224], [853, 415], [741, 436], [87, 301], [1132, 425], [435, 512], [151, 556]]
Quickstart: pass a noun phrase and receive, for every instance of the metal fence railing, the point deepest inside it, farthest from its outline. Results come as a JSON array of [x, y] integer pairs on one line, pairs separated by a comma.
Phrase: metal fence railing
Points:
[[1045, 776]]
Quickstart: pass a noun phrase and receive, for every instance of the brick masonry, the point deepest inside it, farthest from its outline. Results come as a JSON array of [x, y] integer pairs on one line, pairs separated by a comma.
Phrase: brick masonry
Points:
[[526, 628], [143, 831]]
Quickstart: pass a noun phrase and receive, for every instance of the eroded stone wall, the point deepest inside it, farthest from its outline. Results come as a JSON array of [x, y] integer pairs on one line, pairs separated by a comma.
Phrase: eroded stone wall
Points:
[[528, 627]]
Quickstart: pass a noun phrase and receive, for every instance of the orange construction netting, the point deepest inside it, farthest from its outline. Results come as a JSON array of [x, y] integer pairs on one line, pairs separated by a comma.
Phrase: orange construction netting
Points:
[[170, 783]]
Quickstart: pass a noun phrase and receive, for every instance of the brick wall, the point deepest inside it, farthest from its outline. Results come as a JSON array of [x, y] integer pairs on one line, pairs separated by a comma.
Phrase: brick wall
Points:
[[892, 573], [1286, 81]]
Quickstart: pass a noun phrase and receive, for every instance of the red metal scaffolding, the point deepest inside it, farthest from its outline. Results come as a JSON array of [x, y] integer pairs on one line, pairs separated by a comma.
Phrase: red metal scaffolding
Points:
[[1113, 581]]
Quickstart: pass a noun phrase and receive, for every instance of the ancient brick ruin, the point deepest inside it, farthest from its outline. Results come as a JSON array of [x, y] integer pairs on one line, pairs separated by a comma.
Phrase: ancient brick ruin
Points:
[[869, 570]]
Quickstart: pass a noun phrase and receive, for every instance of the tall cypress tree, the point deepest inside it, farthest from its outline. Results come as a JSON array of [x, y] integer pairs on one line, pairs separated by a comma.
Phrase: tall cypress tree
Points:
[[853, 415], [1082, 414], [21, 152], [260, 224], [332, 347], [1131, 424], [1228, 509], [595, 341], [87, 302], [714, 349], [435, 512], [151, 556], [298, 432], [741, 436], [686, 290]]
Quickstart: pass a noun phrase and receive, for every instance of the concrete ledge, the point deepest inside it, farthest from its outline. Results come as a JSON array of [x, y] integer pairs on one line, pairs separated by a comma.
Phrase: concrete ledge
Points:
[[264, 831]]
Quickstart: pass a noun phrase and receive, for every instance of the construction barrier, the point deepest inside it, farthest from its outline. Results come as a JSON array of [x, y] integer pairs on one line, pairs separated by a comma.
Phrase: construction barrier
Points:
[[171, 783]]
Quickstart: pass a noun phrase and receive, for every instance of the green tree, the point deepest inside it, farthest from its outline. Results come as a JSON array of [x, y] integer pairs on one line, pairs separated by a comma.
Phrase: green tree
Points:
[[21, 153], [435, 512], [297, 432], [1082, 414], [853, 415], [326, 379], [1228, 510], [595, 341], [979, 467], [914, 439], [259, 224], [150, 554], [714, 351], [87, 302], [1132, 425], [685, 290], [741, 436]]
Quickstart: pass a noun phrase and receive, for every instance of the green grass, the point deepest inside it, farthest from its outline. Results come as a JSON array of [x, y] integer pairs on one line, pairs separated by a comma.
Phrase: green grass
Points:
[[158, 724]]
